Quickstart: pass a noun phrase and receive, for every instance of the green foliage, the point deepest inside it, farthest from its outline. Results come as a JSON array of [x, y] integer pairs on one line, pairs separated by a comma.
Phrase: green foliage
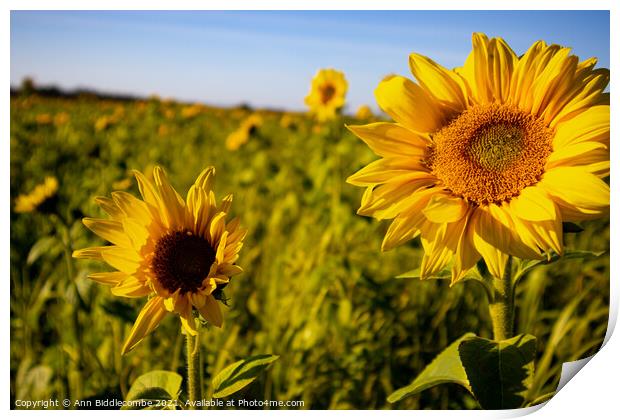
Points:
[[499, 373], [445, 368], [154, 387], [238, 375], [316, 289], [527, 265]]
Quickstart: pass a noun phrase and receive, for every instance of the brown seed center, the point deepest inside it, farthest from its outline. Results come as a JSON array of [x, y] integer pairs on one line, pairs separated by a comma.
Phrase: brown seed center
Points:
[[327, 92], [489, 153], [182, 260]]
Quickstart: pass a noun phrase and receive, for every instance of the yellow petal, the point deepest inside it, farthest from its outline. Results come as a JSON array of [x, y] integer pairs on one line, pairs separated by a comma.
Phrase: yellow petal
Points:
[[444, 208], [490, 242], [110, 230], [184, 308], [591, 125], [408, 223], [172, 205], [221, 245], [526, 72], [211, 311], [109, 279], [388, 200], [123, 259], [109, 206], [131, 287], [205, 179], [434, 259], [148, 319], [226, 203], [147, 190], [198, 299], [387, 169], [137, 232], [591, 156], [576, 190], [391, 140], [440, 82], [518, 240], [533, 204], [217, 227], [410, 105], [589, 92], [92, 253], [229, 270], [133, 207], [466, 255]]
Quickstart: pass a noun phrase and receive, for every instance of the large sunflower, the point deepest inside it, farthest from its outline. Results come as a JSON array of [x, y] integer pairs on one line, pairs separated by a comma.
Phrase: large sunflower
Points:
[[327, 94], [179, 253], [489, 159]]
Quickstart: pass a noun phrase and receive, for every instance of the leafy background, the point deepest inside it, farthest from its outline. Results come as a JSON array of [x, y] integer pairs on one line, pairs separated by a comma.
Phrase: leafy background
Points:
[[316, 290]]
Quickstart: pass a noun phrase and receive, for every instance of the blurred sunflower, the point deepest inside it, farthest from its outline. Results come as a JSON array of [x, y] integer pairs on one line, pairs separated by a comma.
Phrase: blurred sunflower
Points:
[[242, 134], [363, 112], [42, 197], [179, 253], [489, 159], [327, 93]]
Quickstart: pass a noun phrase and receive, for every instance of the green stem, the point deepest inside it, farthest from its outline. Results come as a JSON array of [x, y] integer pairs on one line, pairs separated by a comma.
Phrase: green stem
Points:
[[193, 369], [75, 316], [501, 306]]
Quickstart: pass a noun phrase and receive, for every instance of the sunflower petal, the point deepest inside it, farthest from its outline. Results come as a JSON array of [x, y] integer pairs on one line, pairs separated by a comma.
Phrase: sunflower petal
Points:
[[444, 208], [172, 205], [110, 230], [445, 85], [148, 319], [410, 105], [211, 311], [577, 191], [109, 279], [123, 259], [490, 242], [130, 287], [391, 140]]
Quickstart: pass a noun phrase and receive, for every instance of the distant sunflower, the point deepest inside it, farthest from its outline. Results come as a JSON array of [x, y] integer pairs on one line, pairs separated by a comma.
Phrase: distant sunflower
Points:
[[42, 197], [179, 253], [489, 159], [363, 112], [246, 129], [327, 94]]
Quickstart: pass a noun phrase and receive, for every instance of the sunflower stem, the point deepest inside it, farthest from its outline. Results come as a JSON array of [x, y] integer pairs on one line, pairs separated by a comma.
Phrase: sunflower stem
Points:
[[193, 369], [501, 306]]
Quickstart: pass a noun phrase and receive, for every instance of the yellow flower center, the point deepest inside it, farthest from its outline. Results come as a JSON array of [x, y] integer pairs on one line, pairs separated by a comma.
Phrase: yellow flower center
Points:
[[182, 260], [327, 92], [489, 153]]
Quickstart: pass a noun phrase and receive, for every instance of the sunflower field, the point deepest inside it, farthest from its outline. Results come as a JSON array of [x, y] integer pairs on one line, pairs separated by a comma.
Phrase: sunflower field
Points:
[[342, 324]]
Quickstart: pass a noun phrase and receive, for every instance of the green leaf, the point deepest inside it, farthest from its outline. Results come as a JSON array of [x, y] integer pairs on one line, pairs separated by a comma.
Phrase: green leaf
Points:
[[445, 273], [155, 386], [238, 375], [527, 265], [120, 309], [499, 373], [570, 227], [445, 368], [41, 247]]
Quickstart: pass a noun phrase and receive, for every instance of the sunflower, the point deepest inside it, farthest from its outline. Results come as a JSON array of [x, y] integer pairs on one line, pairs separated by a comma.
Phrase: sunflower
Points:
[[246, 129], [42, 197], [487, 160], [179, 253], [363, 112], [327, 93]]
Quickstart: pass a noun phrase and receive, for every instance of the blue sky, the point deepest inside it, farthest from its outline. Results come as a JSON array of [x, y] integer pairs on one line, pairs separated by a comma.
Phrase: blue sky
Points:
[[268, 58]]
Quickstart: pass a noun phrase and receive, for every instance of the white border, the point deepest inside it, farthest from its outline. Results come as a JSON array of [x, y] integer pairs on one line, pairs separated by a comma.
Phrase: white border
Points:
[[593, 394]]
